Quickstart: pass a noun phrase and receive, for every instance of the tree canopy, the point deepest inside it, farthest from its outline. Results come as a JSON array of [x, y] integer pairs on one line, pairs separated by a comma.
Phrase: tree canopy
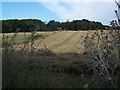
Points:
[[26, 25]]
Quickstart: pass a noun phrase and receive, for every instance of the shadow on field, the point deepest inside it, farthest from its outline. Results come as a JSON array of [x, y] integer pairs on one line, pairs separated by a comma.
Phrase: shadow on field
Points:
[[45, 69]]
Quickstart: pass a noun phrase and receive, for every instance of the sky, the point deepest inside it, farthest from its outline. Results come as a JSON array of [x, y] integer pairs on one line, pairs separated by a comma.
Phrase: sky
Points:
[[60, 10]]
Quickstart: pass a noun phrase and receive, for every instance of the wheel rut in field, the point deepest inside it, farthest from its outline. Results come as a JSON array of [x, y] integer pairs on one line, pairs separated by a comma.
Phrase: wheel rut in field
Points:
[[71, 44], [55, 39], [57, 46], [64, 41]]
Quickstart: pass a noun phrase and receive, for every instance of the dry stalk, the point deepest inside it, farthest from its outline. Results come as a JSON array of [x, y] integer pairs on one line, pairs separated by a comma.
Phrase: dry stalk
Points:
[[103, 49]]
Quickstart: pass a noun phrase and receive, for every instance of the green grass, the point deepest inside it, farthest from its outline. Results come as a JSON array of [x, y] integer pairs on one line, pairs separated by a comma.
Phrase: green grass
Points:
[[20, 38]]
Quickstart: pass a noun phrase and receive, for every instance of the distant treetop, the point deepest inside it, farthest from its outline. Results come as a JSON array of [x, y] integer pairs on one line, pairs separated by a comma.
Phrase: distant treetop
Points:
[[25, 25]]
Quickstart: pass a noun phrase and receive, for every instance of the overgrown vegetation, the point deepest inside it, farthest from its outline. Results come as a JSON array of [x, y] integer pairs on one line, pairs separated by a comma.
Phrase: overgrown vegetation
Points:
[[103, 49], [29, 67], [20, 38]]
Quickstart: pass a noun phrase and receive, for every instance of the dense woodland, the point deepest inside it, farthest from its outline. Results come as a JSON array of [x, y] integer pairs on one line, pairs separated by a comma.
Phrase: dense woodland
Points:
[[34, 24]]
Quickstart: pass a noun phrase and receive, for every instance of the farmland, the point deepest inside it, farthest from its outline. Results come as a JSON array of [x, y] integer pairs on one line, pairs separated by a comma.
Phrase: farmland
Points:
[[53, 60], [61, 62], [60, 45], [57, 41]]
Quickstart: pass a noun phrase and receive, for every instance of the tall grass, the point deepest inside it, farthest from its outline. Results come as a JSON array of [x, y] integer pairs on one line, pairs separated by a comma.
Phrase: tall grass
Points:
[[30, 67], [15, 59]]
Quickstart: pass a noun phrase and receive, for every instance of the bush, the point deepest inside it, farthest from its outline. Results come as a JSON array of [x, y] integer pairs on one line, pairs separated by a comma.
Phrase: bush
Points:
[[103, 48]]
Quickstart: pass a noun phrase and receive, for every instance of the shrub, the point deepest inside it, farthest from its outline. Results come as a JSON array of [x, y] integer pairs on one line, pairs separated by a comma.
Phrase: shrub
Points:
[[103, 48]]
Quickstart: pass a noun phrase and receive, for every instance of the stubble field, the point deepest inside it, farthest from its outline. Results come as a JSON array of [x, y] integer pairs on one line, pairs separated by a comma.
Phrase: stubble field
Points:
[[58, 60]]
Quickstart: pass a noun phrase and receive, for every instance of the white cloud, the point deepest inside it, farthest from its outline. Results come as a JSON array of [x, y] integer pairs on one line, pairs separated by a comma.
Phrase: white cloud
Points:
[[61, 11], [99, 11]]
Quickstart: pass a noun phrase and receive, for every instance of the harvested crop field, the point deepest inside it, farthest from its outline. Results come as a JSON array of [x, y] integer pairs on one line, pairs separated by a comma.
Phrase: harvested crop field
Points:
[[64, 41], [57, 41], [54, 60]]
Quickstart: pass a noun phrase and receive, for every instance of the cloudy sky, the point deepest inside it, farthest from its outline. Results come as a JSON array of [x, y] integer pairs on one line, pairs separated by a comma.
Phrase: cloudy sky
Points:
[[60, 10]]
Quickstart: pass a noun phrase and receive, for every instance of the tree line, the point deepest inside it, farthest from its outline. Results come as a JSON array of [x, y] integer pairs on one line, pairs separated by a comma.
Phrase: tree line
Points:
[[26, 25]]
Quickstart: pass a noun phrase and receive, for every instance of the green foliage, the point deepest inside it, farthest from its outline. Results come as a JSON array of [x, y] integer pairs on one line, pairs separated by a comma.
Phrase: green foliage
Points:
[[23, 25], [82, 25], [59, 29], [53, 25], [27, 25]]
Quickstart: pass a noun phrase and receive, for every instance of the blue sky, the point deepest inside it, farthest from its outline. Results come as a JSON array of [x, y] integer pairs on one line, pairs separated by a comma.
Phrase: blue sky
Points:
[[22, 10], [60, 11]]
